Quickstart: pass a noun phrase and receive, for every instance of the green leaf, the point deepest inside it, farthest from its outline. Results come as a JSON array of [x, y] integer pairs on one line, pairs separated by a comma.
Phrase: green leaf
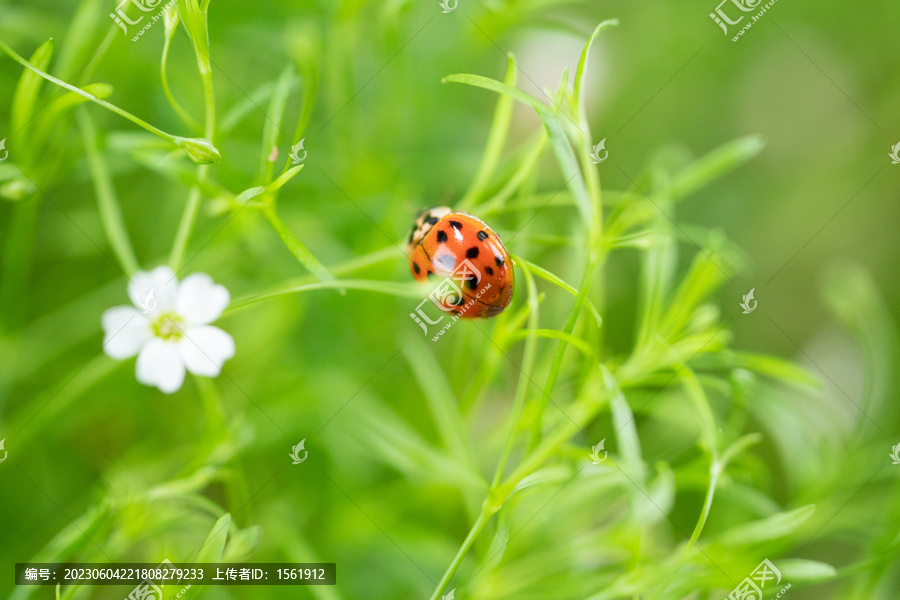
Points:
[[107, 201], [778, 368], [496, 140], [715, 164], [306, 258], [214, 546], [555, 280], [243, 544], [171, 20], [583, 61], [798, 570], [628, 441], [777, 526], [274, 119], [438, 394], [305, 47], [107, 105], [27, 90], [283, 179]]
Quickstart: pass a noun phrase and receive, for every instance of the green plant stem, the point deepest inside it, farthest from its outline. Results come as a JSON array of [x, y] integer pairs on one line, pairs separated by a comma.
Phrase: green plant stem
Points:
[[167, 90], [402, 290], [560, 353], [192, 207], [186, 225], [112, 107], [524, 377], [107, 202], [300, 251], [486, 513]]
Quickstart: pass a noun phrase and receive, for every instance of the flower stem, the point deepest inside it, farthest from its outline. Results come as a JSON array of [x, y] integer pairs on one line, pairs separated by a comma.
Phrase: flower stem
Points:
[[112, 107], [189, 216], [479, 524]]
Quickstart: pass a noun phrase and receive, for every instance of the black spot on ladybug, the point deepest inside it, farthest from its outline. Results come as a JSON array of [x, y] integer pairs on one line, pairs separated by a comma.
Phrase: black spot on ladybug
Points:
[[441, 237], [432, 220], [416, 268], [459, 301], [431, 275], [472, 282], [472, 252], [499, 260], [482, 235], [489, 270], [456, 225]]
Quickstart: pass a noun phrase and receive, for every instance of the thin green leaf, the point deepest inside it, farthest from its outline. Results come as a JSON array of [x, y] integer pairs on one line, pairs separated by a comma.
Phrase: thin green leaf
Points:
[[496, 140], [777, 526], [799, 570], [583, 61], [283, 179], [306, 258], [200, 150], [27, 90], [715, 164], [272, 125], [107, 201], [214, 546], [401, 290], [778, 368], [548, 276]]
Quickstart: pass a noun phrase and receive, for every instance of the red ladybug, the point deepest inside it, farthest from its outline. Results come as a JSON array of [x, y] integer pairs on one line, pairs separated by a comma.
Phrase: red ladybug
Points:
[[470, 257]]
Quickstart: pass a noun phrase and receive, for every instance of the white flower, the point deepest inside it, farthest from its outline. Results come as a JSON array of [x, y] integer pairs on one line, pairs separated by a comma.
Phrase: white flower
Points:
[[170, 330]]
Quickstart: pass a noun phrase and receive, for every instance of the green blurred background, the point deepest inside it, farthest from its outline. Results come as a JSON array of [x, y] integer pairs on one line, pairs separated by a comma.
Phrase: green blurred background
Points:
[[815, 215]]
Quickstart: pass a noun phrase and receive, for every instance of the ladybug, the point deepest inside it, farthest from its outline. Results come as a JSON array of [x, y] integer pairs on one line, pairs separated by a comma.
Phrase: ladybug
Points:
[[470, 257]]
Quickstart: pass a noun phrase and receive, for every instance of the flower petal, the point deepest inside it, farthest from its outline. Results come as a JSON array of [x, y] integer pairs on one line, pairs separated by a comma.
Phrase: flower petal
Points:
[[125, 330], [158, 365], [154, 292], [200, 300], [205, 349]]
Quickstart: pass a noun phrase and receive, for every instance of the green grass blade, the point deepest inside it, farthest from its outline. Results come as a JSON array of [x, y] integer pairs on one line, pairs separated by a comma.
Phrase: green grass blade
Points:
[[107, 202], [496, 140], [274, 119], [555, 280], [578, 85], [718, 162], [28, 89], [300, 252]]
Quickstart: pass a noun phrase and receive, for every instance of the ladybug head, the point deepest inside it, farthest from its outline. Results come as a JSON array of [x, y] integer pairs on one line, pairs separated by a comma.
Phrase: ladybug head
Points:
[[425, 220]]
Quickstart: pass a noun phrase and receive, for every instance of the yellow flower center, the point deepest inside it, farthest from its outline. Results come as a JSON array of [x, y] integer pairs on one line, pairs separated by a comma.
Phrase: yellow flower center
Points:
[[168, 327]]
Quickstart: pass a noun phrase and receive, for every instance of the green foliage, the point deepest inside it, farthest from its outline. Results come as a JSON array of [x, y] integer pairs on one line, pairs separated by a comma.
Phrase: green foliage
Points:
[[463, 464]]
